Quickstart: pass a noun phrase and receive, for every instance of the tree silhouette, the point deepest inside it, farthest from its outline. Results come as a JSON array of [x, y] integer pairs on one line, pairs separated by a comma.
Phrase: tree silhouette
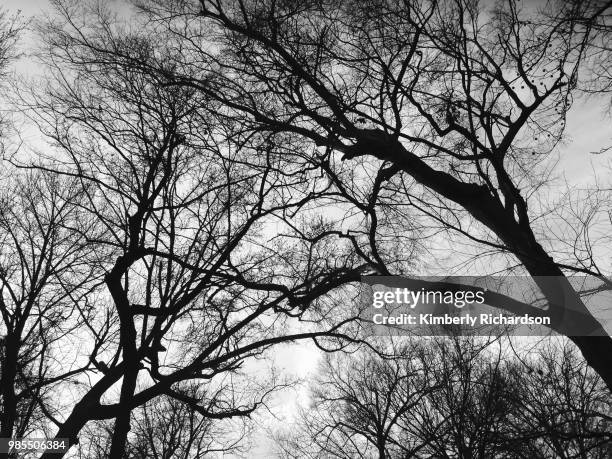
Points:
[[453, 397], [194, 279], [45, 273], [219, 174], [448, 109]]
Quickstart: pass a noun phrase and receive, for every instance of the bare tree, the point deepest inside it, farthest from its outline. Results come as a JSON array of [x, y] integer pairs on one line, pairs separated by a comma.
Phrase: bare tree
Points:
[[361, 403], [563, 409], [185, 216], [240, 163], [454, 398], [45, 272], [447, 110]]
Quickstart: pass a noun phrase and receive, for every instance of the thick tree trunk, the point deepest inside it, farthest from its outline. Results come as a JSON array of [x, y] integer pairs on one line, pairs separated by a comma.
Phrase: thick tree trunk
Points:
[[122, 422], [130, 358], [517, 237], [81, 414], [573, 314], [86, 409], [597, 351], [7, 384]]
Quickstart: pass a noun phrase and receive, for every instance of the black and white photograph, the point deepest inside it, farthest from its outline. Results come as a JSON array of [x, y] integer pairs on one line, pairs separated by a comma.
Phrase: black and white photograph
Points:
[[306, 229]]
